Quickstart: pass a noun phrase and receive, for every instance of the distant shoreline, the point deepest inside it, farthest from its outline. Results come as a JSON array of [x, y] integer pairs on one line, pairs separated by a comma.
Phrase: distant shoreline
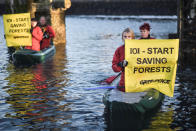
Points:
[[155, 7], [117, 17], [4, 9], [129, 7]]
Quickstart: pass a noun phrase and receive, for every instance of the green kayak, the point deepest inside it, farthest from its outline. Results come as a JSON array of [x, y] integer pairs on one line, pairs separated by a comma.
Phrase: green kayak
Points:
[[29, 57], [139, 103]]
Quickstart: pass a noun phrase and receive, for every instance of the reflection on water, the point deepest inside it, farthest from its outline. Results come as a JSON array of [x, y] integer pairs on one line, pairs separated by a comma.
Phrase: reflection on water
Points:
[[161, 121], [51, 95], [35, 94], [127, 120]]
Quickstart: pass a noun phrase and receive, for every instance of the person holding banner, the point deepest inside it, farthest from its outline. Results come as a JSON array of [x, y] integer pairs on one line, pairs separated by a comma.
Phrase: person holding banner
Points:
[[119, 62], [37, 36], [48, 33], [145, 31]]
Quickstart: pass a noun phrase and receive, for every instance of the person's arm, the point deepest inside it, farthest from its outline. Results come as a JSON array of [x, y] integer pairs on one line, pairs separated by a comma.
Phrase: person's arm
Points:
[[115, 62], [51, 32], [37, 34]]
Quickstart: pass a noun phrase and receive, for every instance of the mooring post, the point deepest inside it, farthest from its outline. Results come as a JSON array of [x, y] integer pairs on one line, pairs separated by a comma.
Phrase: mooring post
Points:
[[55, 12], [186, 29]]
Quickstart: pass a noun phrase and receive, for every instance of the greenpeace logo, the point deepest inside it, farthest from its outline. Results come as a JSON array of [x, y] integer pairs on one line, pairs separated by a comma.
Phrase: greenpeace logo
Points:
[[163, 81], [18, 37]]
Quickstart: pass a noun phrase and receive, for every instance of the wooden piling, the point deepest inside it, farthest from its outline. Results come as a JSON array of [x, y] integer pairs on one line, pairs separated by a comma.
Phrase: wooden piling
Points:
[[187, 31], [55, 13]]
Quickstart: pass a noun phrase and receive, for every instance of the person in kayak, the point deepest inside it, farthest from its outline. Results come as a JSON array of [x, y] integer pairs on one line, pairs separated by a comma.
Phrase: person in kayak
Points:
[[48, 32], [36, 36], [119, 62], [145, 31]]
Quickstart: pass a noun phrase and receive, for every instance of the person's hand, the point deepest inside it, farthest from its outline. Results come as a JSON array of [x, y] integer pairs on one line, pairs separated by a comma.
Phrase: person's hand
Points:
[[46, 36], [31, 30], [123, 63]]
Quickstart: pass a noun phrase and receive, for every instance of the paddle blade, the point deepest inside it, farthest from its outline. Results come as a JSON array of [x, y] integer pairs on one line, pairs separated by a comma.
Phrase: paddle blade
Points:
[[110, 79]]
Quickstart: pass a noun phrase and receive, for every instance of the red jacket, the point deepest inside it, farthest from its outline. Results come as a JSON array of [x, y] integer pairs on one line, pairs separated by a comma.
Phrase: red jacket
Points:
[[36, 39], [46, 41], [149, 37], [118, 57]]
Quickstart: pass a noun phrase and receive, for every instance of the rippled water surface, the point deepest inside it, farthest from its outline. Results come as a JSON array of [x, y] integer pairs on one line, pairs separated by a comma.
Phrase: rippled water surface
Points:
[[51, 95]]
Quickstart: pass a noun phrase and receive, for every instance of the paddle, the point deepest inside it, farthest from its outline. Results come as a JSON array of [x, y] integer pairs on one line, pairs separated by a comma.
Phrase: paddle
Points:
[[107, 87], [111, 79], [108, 81]]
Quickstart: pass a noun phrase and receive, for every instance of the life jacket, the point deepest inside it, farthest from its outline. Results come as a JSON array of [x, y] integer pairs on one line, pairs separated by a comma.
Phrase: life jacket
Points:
[[149, 37], [37, 36], [47, 30], [119, 56]]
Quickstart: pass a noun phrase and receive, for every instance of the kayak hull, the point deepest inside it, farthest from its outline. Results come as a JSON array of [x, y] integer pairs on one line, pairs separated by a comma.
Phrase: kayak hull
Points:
[[29, 57], [130, 111], [140, 103]]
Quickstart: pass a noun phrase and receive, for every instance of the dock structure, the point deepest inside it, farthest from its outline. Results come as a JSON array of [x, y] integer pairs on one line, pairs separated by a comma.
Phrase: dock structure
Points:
[[187, 30]]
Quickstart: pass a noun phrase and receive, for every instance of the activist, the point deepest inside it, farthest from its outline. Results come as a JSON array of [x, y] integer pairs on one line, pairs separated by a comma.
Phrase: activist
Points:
[[119, 62], [145, 31], [36, 36], [48, 33]]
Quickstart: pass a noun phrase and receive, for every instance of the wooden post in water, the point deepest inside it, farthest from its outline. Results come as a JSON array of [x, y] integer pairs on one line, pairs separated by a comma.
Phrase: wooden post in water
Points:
[[186, 28], [58, 23], [179, 30], [54, 10]]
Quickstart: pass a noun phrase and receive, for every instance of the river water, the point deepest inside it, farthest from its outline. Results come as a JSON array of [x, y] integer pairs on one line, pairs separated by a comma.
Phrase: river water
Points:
[[51, 95]]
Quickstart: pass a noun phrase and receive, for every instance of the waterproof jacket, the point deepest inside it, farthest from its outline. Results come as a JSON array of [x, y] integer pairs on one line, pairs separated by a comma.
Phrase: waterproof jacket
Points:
[[149, 37], [37, 36], [47, 30], [119, 56]]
